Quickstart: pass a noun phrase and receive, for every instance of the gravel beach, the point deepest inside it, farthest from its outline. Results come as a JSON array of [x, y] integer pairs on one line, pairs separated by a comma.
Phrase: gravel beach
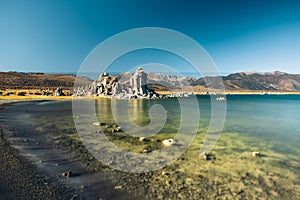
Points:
[[22, 176], [20, 179]]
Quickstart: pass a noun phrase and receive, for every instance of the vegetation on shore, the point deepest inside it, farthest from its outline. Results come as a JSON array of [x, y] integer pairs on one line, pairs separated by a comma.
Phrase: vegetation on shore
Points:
[[11, 94]]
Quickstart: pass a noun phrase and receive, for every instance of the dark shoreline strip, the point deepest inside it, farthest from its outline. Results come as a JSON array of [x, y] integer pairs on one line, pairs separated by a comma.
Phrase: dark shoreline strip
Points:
[[21, 179]]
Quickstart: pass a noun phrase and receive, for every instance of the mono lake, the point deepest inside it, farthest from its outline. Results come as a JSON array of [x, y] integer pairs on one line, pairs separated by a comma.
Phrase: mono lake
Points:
[[44, 131]]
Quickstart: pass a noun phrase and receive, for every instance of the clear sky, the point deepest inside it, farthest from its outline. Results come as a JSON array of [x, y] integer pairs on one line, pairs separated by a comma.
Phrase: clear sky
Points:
[[240, 35]]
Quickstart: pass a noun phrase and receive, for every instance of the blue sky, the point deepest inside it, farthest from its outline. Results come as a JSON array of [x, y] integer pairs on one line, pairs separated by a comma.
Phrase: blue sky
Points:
[[57, 35]]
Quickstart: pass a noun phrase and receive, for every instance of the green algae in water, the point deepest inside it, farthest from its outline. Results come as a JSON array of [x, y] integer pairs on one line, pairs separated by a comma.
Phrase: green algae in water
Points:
[[269, 124]]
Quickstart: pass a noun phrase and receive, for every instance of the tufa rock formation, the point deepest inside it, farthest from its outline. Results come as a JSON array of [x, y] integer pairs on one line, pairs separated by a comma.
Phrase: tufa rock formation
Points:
[[138, 82], [119, 86]]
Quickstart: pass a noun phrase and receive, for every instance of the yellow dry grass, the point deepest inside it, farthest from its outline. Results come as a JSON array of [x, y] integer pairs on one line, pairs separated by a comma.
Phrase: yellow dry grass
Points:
[[42, 94]]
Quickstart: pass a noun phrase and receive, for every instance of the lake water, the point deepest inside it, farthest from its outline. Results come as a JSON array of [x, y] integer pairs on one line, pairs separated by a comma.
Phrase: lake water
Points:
[[266, 123]]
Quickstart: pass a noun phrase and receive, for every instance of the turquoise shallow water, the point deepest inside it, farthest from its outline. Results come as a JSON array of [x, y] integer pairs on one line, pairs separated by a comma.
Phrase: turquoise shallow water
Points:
[[271, 118]]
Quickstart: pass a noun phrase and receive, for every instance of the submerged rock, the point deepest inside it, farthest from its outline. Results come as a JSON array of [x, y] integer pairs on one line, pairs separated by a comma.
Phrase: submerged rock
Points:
[[164, 173], [98, 123], [118, 187], [147, 150], [168, 142], [117, 129], [255, 154], [67, 174], [205, 156]]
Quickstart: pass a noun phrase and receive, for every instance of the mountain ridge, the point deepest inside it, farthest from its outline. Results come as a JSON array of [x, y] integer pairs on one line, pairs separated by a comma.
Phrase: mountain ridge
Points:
[[239, 81]]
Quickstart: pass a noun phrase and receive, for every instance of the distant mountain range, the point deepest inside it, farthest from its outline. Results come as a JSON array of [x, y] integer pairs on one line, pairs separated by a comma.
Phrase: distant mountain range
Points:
[[254, 81], [269, 81]]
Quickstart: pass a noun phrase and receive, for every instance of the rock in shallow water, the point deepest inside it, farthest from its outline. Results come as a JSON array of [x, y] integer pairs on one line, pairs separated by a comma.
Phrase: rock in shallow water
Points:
[[255, 154], [168, 142], [67, 174]]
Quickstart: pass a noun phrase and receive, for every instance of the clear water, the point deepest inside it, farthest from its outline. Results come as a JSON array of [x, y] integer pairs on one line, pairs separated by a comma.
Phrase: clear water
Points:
[[269, 118], [266, 123]]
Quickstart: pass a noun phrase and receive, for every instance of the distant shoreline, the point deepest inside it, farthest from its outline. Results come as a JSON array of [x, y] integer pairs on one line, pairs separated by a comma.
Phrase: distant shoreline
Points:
[[236, 92], [45, 97], [235, 83]]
